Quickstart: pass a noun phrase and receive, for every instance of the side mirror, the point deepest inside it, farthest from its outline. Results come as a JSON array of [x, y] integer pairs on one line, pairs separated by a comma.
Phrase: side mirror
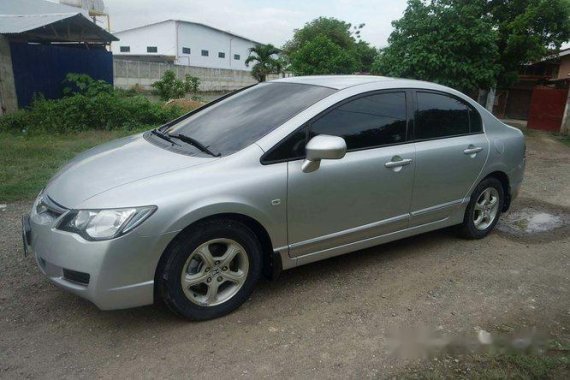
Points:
[[323, 147]]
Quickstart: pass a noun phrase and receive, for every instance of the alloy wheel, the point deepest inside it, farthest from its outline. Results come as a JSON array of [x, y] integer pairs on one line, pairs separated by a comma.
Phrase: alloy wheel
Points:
[[214, 272], [486, 208]]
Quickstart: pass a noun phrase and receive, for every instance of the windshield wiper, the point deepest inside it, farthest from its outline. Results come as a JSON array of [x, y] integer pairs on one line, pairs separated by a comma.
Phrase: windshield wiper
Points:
[[162, 135], [196, 143]]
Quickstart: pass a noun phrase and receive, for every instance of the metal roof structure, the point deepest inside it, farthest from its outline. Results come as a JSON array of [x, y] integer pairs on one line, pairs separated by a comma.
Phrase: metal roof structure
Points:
[[43, 21], [193, 23]]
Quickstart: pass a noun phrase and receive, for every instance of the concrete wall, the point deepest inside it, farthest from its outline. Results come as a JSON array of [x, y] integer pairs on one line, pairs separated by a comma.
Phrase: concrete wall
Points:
[[172, 38], [8, 98], [129, 73], [564, 69]]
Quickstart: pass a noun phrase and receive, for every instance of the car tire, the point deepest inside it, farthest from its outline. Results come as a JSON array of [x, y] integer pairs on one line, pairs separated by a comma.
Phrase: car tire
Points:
[[187, 262], [483, 210]]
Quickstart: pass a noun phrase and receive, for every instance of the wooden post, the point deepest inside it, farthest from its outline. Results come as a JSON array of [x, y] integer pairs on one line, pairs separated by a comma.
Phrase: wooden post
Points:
[[565, 126]]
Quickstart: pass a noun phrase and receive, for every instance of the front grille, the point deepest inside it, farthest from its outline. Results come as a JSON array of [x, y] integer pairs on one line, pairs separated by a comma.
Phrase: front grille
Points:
[[77, 277]]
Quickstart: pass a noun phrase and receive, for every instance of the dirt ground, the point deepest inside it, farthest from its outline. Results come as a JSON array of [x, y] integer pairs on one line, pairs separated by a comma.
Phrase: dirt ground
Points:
[[337, 318]]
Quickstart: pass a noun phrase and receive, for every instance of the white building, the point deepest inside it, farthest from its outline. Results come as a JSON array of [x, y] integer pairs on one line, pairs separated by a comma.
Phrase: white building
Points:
[[184, 43]]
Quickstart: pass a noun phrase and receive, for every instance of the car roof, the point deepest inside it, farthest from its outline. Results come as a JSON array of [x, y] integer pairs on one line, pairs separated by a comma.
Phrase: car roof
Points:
[[340, 82], [337, 82]]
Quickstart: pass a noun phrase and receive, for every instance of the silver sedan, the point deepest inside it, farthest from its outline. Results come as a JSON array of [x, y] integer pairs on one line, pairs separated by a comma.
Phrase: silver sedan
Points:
[[268, 178]]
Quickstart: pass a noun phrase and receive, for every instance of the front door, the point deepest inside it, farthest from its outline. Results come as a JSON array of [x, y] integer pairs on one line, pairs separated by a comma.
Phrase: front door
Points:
[[365, 194]]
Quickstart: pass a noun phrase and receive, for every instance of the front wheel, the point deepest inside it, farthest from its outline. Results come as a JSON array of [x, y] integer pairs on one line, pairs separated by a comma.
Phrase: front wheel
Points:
[[210, 269], [483, 210]]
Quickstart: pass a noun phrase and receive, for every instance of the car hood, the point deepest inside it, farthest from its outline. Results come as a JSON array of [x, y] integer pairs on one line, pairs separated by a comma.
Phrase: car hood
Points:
[[114, 164]]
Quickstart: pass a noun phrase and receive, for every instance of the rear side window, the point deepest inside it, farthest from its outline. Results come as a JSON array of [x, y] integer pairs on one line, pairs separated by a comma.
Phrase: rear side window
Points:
[[439, 116], [475, 124], [366, 122]]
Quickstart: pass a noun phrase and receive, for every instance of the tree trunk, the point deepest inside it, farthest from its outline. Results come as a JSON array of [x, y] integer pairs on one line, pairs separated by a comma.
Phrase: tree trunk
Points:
[[490, 100]]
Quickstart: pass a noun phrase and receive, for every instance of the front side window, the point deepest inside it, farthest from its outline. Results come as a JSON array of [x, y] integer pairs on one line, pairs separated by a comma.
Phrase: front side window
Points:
[[243, 118], [151, 49], [366, 122], [440, 116]]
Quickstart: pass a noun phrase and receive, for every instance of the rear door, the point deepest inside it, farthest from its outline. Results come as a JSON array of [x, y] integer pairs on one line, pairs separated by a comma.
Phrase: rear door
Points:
[[451, 150]]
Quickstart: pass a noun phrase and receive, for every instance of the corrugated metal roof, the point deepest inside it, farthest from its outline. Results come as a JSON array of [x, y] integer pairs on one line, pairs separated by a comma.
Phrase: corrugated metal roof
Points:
[[21, 16]]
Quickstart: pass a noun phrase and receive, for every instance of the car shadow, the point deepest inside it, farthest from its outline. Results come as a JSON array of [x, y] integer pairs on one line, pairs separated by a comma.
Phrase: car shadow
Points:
[[158, 315]]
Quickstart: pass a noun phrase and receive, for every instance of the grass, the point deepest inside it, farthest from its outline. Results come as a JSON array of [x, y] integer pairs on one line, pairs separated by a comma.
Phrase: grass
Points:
[[28, 162], [553, 363]]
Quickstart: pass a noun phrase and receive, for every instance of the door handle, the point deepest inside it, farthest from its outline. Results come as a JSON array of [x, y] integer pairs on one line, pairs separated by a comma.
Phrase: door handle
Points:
[[395, 163], [472, 149]]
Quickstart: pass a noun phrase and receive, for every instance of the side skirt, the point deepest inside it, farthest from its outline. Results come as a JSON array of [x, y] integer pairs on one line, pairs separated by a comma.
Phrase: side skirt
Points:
[[291, 262]]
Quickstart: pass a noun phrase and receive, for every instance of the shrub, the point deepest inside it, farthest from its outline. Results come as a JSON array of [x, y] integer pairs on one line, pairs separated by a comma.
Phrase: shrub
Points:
[[88, 105], [170, 87], [191, 84]]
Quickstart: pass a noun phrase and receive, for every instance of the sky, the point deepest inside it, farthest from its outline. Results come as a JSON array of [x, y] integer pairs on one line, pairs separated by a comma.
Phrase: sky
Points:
[[261, 20]]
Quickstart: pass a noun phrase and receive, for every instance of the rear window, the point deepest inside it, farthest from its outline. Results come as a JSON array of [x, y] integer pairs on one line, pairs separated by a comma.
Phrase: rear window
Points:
[[245, 117]]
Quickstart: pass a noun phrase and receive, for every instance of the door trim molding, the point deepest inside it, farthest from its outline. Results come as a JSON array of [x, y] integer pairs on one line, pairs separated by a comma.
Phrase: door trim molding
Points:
[[349, 236]]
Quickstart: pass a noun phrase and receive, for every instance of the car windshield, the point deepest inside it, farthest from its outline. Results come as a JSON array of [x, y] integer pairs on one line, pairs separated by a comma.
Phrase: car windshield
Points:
[[243, 118]]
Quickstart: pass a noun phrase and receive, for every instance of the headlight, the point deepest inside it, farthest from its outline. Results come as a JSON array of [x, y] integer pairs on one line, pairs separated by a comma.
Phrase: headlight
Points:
[[104, 224]]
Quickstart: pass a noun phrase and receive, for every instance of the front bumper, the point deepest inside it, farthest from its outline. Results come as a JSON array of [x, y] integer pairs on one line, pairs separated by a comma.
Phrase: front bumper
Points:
[[113, 274]]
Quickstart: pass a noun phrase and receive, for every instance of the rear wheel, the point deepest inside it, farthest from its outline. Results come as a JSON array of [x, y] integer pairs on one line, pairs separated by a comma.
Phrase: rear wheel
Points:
[[483, 210], [211, 269]]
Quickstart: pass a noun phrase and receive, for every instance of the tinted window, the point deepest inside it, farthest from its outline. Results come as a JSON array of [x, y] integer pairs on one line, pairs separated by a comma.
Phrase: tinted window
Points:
[[125, 49], [440, 116], [245, 117], [236, 57], [151, 49], [292, 147], [475, 124], [366, 122]]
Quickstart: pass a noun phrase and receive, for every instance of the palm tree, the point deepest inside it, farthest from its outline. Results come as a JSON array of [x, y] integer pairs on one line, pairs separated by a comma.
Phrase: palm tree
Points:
[[266, 63]]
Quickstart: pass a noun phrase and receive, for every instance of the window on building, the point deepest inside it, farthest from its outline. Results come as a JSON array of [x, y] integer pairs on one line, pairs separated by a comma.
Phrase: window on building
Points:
[[440, 116], [237, 57], [185, 50], [205, 53], [221, 55], [125, 49], [366, 122], [151, 49]]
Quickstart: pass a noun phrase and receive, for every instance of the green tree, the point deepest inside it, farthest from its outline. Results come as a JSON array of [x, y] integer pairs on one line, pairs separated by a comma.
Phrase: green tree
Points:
[[366, 56], [328, 46], [265, 60], [444, 41], [336, 30], [322, 56], [528, 30]]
